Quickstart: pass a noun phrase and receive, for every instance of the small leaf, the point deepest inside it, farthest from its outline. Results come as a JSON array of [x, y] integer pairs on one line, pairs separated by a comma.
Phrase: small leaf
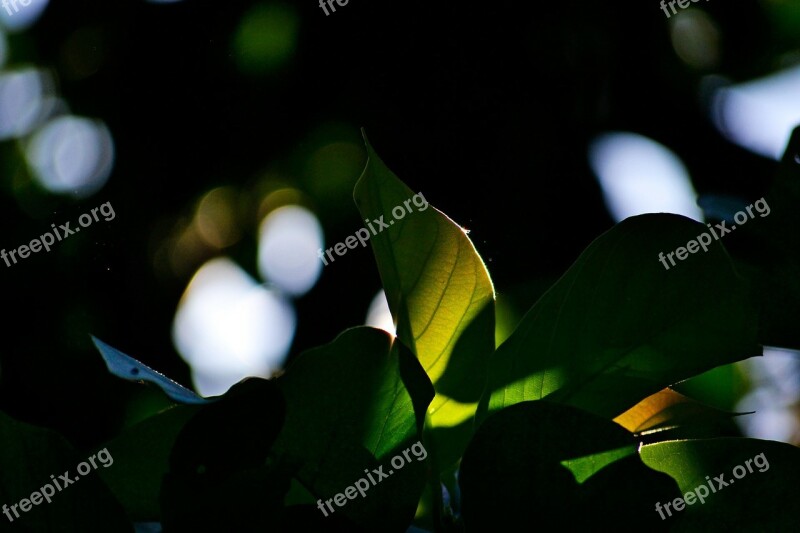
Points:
[[128, 368], [668, 409]]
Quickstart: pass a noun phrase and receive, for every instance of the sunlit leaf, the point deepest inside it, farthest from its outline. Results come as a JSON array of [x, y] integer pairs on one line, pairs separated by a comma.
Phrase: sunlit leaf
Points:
[[439, 292], [619, 326], [669, 409]]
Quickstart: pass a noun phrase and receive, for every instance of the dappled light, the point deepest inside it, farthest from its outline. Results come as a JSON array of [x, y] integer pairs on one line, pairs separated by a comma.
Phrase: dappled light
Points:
[[774, 396], [378, 314], [289, 240], [638, 175], [696, 39], [21, 14], [228, 327], [266, 37], [72, 155], [759, 115], [26, 99]]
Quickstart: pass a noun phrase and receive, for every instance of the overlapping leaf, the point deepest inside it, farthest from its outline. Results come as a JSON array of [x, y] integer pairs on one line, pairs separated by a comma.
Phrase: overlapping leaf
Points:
[[353, 405], [440, 295], [546, 463], [671, 413], [750, 484], [619, 326], [30, 458]]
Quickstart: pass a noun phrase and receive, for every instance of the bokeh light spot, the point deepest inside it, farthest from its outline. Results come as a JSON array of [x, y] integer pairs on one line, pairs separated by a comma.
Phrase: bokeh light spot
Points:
[[26, 98], [83, 53], [760, 115], [18, 17], [334, 169], [378, 315], [289, 240], [696, 39], [72, 155], [266, 38], [639, 175], [216, 218], [229, 327]]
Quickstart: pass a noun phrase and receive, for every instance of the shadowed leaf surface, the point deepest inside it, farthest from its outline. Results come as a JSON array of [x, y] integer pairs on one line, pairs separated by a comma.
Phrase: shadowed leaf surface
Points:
[[28, 458], [353, 405], [759, 501], [768, 252], [141, 453], [618, 326], [218, 477], [543, 463]]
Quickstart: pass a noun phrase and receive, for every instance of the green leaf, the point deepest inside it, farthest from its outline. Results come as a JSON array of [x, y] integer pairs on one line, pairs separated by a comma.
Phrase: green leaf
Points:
[[618, 326], [439, 292], [546, 463], [621, 496], [141, 454], [228, 437], [29, 459], [353, 405], [667, 411], [218, 478], [755, 501]]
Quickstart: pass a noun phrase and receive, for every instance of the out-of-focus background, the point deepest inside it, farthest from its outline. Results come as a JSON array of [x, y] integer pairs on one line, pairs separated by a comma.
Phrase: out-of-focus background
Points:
[[226, 136]]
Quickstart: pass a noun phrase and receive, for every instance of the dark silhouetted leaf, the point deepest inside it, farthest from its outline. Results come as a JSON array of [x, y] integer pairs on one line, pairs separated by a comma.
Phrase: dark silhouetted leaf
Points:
[[545, 463], [759, 501], [29, 458], [218, 477], [353, 405]]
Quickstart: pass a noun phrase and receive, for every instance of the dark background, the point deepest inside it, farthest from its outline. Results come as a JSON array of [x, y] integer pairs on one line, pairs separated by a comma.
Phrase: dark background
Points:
[[485, 107]]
